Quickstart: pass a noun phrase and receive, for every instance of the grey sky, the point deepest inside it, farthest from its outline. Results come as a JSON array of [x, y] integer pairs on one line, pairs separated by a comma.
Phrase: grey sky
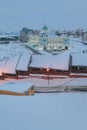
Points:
[[57, 14]]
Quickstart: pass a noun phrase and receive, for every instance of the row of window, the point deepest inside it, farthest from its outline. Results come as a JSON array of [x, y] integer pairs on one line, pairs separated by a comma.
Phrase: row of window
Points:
[[79, 68]]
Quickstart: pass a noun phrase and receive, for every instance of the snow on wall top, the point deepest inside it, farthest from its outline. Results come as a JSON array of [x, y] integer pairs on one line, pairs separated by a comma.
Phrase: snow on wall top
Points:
[[60, 62], [16, 86]]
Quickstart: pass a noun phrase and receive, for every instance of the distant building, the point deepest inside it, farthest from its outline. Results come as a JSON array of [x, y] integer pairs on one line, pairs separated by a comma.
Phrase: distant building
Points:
[[24, 34], [44, 30], [84, 36], [45, 40], [5, 39]]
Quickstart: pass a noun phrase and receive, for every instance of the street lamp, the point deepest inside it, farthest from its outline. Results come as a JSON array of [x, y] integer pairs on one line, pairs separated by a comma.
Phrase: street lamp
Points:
[[48, 74]]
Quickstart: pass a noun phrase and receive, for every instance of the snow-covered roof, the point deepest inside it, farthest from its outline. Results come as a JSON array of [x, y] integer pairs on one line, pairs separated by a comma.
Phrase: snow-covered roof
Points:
[[16, 86], [60, 62], [79, 59], [13, 49], [10, 65], [23, 62], [2, 63]]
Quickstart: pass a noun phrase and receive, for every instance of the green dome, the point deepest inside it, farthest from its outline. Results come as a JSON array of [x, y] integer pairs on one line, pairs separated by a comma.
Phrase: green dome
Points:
[[45, 27]]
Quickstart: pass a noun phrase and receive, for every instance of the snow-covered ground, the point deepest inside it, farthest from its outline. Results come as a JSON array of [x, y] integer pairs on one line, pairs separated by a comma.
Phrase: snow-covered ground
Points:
[[65, 111], [12, 49], [58, 111], [60, 83], [40, 82], [77, 46], [44, 112]]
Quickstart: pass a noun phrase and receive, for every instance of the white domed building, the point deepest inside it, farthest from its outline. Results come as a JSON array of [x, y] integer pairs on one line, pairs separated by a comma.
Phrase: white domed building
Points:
[[47, 41]]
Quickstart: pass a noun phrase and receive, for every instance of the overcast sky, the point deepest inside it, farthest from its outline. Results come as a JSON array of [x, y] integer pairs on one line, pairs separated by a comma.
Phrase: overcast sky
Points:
[[57, 14]]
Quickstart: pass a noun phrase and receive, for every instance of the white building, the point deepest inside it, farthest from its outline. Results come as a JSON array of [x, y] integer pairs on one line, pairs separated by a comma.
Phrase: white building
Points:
[[47, 41]]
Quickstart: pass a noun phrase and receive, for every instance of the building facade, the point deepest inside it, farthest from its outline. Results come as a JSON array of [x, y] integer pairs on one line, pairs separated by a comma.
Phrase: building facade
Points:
[[47, 41]]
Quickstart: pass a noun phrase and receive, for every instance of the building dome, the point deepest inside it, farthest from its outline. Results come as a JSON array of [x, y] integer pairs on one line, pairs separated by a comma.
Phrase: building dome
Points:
[[45, 28]]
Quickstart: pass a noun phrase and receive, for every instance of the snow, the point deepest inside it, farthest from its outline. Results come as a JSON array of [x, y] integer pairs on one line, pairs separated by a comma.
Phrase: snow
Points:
[[57, 81], [16, 85], [44, 112], [44, 52], [79, 59], [2, 63], [10, 65], [59, 111], [42, 81], [77, 46], [12, 49], [77, 82], [23, 62], [60, 62]]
